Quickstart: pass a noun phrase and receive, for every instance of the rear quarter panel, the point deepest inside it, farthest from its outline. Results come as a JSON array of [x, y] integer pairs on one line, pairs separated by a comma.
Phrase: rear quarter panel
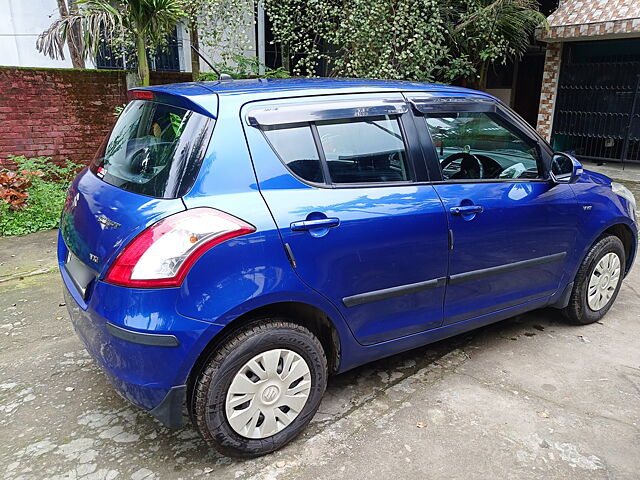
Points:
[[246, 272]]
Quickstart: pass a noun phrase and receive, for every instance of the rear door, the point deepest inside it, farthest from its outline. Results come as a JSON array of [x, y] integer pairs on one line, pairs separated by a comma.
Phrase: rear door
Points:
[[340, 178], [511, 229]]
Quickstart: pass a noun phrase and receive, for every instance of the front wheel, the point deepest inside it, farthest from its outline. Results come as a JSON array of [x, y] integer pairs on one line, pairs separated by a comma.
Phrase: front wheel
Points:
[[597, 282], [260, 388]]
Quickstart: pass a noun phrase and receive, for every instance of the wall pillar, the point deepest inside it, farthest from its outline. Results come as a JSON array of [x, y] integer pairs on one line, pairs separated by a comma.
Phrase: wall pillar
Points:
[[549, 91]]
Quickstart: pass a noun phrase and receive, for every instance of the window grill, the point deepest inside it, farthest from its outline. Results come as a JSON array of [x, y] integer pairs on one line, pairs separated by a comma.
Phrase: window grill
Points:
[[597, 113], [164, 58]]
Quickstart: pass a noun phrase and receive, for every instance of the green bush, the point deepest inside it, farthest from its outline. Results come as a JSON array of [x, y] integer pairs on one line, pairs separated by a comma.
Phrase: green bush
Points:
[[46, 192]]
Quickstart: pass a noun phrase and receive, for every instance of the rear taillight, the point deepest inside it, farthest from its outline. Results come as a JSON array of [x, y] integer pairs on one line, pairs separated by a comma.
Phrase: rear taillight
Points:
[[162, 254]]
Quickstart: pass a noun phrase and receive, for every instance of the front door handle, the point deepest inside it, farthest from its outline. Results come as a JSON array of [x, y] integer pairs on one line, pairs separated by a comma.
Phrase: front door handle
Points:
[[313, 224], [466, 210]]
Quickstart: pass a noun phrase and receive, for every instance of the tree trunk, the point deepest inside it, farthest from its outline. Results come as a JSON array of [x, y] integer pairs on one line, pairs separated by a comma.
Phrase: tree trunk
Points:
[[75, 45], [286, 61], [73, 40], [195, 41], [482, 81], [62, 8], [143, 63]]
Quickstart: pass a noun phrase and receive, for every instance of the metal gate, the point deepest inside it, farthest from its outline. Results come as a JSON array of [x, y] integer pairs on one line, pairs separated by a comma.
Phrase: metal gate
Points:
[[597, 113]]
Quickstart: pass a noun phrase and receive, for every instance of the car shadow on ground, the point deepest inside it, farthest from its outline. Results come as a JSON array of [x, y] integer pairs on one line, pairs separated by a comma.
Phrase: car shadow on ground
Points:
[[352, 390], [93, 429]]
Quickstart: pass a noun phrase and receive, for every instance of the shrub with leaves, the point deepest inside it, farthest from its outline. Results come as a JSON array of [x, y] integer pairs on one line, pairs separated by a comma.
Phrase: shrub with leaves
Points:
[[13, 188], [117, 110], [32, 196], [123, 24], [424, 40]]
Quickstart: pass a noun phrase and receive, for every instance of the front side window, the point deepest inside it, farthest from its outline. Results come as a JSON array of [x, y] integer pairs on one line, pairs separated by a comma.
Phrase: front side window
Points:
[[154, 149], [477, 145], [364, 150]]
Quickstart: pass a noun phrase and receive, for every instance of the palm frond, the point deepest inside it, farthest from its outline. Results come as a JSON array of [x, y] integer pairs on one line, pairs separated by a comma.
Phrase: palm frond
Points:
[[515, 21], [95, 18]]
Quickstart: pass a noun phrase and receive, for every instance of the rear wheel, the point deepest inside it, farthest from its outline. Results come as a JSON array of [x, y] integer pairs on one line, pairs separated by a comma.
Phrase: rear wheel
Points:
[[260, 388], [597, 282]]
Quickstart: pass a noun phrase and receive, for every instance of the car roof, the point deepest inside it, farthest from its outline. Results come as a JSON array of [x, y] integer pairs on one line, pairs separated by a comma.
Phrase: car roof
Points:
[[264, 87], [206, 97]]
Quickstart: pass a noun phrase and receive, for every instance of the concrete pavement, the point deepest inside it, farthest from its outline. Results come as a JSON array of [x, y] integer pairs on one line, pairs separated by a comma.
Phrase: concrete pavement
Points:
[[530, 397]]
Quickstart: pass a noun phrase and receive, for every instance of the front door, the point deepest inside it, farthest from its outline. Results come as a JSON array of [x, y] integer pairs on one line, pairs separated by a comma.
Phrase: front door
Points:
[[341, 182], [511, 230]]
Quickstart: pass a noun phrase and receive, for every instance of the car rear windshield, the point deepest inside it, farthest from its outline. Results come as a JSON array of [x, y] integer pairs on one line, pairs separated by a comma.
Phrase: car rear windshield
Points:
[[154, 149]]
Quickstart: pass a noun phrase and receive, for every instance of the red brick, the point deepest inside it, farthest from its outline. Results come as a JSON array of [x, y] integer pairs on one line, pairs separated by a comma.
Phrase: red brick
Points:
[[61, 113]]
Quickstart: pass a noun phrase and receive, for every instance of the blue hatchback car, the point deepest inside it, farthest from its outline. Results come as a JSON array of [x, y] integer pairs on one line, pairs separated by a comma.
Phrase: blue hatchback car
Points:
[[234, 243]]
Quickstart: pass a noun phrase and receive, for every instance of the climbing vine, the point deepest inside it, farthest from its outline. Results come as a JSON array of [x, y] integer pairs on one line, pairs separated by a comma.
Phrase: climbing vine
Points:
[[425, 40], [222, 26]]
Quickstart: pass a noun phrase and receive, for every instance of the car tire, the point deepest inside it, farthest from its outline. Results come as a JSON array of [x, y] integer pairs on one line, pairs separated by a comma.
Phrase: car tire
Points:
[[593, 289], [232, 405]]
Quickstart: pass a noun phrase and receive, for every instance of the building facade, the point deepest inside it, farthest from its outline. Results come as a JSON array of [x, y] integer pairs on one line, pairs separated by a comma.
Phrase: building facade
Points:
[[590, 97], [22, 21]]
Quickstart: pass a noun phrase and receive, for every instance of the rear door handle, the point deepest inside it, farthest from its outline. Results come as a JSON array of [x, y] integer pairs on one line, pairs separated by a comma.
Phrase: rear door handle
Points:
[[466, 210], [312, 224]]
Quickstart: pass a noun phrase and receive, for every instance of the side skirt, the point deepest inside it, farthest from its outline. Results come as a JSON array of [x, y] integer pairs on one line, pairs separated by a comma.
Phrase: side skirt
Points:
[[369, 353]]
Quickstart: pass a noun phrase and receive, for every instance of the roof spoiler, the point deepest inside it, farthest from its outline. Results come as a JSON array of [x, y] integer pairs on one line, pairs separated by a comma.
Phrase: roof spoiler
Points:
[[182, 101]]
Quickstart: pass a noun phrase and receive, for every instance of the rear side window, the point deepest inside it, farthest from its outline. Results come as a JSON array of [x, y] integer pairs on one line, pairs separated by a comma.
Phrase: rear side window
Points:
[[154, 149], [296, 148], [362, 150]]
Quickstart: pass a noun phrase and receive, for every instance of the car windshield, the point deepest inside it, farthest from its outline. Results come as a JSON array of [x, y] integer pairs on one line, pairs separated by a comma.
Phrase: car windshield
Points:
[[154, 149]]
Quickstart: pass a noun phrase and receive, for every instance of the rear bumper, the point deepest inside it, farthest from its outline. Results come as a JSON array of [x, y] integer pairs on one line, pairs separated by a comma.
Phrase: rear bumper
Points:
[[145, 347]]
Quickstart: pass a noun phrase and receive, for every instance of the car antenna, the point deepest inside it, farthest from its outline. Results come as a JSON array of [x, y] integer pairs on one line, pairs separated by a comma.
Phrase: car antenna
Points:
[[221, 76]]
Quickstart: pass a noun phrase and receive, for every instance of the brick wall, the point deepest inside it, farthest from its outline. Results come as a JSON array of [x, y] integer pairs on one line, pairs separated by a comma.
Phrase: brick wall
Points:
[[61, 113], [549, 90]]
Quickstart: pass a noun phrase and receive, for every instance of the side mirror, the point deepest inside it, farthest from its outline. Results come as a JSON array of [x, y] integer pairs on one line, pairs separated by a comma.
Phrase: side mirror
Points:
[[565, 168]]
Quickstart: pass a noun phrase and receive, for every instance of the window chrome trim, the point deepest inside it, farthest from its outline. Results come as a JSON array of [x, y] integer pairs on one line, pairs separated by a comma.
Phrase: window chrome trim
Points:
[[272, 115]]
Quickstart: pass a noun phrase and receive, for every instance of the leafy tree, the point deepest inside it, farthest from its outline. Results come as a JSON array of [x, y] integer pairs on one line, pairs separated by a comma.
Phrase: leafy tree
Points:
[[425, 40], [144, 22]]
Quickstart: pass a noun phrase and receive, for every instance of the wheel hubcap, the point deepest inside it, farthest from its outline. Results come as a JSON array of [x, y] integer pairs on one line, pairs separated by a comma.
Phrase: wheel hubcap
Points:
[[268, 393], [603, 281]]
